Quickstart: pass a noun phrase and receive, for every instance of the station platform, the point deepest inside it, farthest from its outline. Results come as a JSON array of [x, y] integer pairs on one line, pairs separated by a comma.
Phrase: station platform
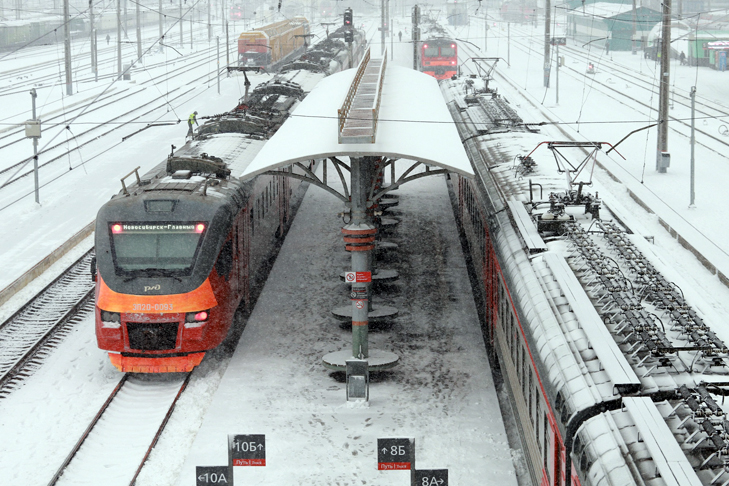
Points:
[[441, 394]]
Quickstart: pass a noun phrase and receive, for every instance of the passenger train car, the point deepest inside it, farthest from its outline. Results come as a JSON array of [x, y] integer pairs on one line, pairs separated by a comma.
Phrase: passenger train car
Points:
[[614, 376], [266, 47], [439, 57], [182, 247]]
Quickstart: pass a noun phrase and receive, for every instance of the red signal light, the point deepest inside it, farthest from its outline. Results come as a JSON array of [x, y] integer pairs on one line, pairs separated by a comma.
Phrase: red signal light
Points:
[[201, 316], [199, 228], [425, 46], [116, 228], [453, 46]]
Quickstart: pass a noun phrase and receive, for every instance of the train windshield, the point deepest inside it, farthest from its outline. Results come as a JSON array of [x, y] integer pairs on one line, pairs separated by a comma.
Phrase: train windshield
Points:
[[430, 51], [447, 51], [142, 249]]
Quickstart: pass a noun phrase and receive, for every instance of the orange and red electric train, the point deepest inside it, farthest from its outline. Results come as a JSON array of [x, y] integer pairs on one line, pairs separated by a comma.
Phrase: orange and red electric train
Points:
[[439, 58], [176, 255]]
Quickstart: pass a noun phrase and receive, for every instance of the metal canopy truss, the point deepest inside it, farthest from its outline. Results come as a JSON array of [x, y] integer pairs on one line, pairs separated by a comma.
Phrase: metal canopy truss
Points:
[[339, 166]]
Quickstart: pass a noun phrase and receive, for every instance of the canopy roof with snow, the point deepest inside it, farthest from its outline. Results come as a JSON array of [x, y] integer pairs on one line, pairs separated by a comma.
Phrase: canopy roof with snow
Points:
[[414, 123]]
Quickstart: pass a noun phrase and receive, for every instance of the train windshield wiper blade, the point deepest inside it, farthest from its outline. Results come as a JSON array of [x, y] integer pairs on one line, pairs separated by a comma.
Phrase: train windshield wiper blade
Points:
[[152, 272]]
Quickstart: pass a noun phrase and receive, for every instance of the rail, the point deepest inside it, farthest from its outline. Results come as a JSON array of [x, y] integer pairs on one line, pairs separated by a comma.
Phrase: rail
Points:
[[347, 105], [378, 96]]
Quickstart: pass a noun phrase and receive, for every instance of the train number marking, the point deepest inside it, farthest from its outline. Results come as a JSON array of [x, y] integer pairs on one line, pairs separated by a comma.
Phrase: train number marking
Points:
[[152, 307]]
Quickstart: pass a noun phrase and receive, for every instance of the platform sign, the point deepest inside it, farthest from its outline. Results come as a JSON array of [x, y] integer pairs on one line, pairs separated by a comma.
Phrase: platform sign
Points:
[[213, 476], [247, 450], [358, 294], [358, 277], [431, 477], [395, 454]]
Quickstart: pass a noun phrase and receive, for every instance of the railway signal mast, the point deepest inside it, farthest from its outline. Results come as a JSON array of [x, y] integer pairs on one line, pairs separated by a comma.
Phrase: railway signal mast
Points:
[[547, 40], [349, 33]]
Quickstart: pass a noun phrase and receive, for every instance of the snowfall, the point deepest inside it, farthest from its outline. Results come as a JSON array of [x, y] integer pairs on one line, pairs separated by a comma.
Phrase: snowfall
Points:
[[442, 394]]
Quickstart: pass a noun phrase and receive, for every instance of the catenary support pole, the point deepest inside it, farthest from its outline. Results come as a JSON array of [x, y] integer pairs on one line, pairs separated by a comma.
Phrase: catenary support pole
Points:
[[92, 32], [67, 47], [139, 32], [547, 40], [227, 51], [218, 40], [508, 44], [118, 39], [161, 28], [693, 141], [485, 26], [180, 21], [664, 92], [96, 55], [210, 26], [382, 26], [33, 96], [556, 75]]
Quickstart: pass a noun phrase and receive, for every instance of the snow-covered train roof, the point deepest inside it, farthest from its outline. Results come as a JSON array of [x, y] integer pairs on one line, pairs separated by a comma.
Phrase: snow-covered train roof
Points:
[[658, 342]]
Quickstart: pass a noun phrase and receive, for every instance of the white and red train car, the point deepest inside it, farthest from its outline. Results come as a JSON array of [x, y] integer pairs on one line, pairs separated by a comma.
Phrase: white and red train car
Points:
[[614, 376]]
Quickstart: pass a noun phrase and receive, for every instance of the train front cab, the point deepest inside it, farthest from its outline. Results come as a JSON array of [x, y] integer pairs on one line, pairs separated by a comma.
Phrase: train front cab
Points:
[[539, 432], [439, 58], [168, 332]]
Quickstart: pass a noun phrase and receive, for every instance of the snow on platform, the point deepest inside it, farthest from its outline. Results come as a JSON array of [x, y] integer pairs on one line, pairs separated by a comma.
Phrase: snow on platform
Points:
[[441, 394]]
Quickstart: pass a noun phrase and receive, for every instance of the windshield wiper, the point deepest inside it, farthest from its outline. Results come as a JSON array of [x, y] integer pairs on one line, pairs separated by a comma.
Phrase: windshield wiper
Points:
[[152, 272]]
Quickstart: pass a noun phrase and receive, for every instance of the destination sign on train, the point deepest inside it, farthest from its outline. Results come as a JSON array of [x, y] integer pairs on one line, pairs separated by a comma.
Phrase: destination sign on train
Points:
[[131, 228]]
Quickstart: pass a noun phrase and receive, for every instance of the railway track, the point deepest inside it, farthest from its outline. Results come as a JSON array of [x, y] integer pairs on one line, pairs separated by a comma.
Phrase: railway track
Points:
[[116, 444], [620, 76], [28, 335]]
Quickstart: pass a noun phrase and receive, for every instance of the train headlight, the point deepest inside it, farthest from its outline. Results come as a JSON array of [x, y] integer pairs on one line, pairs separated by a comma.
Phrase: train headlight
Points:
[[196, 319], [110, 319]]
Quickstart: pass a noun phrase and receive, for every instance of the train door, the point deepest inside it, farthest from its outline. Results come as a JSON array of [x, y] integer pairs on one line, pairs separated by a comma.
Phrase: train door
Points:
[[244, 239], [558, 455]]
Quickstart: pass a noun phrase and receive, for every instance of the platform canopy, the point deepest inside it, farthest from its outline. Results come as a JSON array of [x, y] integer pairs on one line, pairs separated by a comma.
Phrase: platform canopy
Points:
[[414, 123]]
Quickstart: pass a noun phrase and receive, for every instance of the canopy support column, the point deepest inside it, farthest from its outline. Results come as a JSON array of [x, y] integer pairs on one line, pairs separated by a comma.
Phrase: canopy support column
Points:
[[359, 238]]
